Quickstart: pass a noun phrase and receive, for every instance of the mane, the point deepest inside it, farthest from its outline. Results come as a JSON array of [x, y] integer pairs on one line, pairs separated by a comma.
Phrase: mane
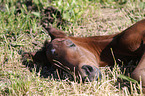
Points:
[[93, 38]]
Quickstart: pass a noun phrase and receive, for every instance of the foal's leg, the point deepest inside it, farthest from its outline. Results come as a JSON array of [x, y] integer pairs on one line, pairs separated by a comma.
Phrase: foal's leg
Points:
[[139, 72]]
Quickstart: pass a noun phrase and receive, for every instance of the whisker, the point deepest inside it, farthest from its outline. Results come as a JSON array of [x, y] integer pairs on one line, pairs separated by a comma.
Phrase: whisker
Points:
[[61, 66]]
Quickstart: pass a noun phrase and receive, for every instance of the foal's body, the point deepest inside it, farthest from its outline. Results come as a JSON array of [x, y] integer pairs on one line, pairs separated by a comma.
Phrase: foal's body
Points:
[[86, 54]]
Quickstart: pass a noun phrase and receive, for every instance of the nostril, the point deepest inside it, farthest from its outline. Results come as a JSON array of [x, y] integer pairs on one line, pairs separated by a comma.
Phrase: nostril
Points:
[[88, 69], [92, 73]]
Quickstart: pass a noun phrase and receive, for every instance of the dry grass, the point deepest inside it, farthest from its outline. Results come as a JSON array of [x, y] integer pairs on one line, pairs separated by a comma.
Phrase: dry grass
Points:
[[17, 80]]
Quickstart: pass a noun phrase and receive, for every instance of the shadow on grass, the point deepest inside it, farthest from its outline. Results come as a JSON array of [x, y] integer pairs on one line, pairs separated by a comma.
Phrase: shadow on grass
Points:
[[38, 62], [125, 81]]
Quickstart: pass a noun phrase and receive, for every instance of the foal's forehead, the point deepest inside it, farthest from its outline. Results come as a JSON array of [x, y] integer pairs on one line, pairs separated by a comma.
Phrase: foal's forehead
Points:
[[58, 40]]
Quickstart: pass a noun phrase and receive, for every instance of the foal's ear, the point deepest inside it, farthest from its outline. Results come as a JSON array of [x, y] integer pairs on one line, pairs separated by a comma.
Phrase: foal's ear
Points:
[[46, 43], [54, 33]]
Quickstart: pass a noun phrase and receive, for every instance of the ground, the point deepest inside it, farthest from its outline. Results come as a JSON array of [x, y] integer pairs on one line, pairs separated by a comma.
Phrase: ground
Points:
[[24, 32]]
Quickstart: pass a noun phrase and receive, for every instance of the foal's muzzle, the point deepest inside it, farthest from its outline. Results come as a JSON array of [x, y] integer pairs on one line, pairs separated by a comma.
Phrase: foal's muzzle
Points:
[[91, 73]]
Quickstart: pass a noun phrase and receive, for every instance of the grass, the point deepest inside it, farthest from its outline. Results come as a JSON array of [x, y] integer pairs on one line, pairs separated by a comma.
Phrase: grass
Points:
[[86, 18]]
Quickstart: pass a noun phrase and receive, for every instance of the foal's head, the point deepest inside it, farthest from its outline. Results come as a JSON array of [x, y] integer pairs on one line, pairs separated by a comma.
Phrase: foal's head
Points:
[[69, 55]]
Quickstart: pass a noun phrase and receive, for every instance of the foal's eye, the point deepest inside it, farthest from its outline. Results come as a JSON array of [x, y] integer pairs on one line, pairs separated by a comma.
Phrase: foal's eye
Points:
[[72, 45], [69, 43]]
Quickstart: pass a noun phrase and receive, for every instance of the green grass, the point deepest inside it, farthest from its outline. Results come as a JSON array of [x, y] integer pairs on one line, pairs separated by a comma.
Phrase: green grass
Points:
[[86, 18]]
